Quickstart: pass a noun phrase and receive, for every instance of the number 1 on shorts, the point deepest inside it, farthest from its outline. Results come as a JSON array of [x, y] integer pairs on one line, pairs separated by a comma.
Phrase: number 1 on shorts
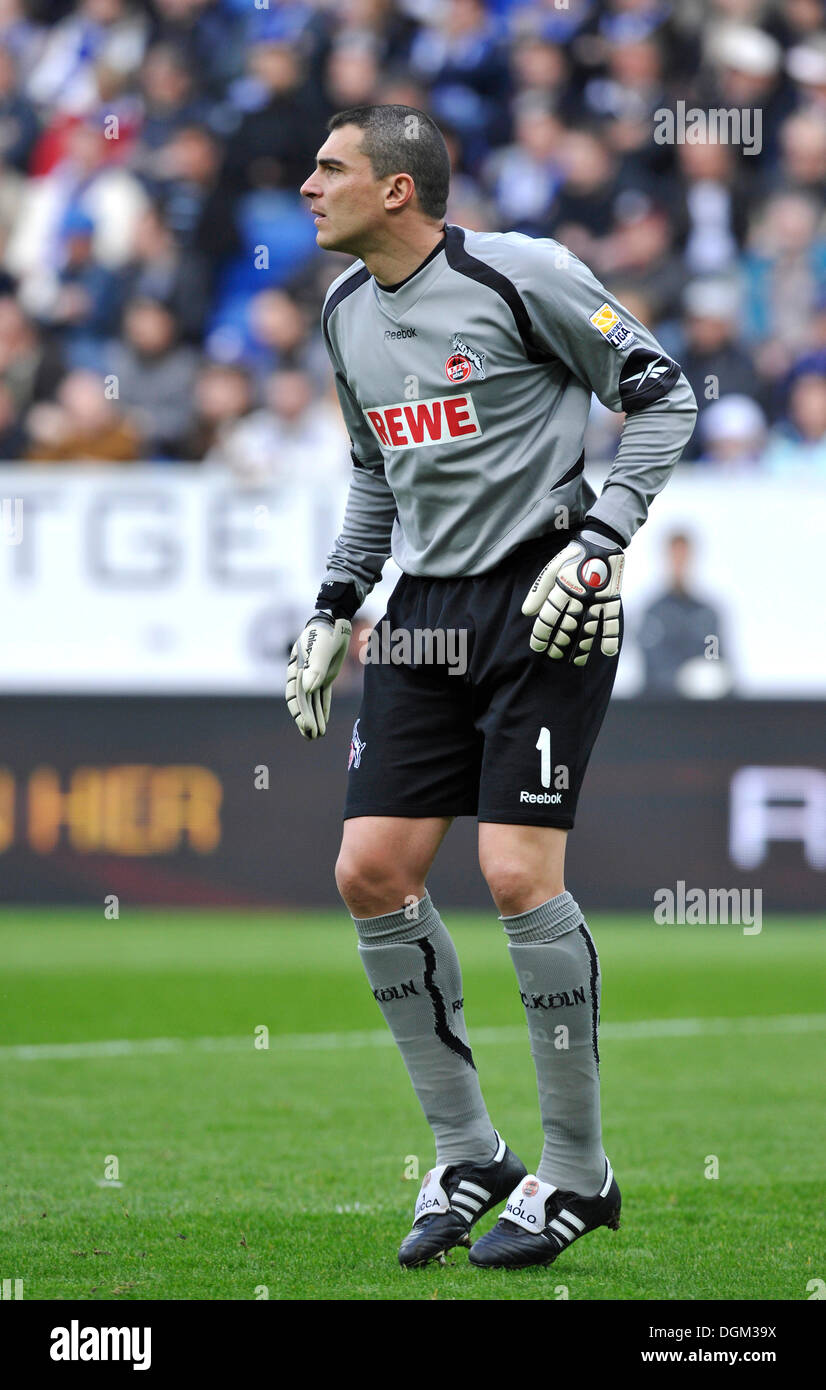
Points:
[[543, 743]]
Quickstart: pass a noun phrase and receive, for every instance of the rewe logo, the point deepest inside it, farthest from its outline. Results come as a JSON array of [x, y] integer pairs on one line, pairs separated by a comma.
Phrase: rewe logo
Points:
[[76, 1343], [413, 424]]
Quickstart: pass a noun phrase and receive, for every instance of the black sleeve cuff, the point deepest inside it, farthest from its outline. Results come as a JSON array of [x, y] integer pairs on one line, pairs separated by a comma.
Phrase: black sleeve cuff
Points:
[[341, 599], [593, 523]]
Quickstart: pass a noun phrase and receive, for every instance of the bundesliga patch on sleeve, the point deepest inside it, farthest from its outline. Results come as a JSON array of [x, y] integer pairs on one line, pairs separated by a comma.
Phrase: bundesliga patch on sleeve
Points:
[[608, 322]]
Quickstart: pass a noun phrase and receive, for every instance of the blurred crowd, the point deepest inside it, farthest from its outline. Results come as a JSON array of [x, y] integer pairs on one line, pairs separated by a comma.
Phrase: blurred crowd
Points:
[[160, 285]]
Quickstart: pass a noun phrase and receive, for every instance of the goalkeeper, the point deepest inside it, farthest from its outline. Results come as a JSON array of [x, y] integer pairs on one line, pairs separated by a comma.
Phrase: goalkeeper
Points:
[[464, 364]]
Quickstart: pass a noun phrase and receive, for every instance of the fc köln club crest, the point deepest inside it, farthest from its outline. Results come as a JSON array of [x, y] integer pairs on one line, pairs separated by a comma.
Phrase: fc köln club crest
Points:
[[357, 747], [462, 361]]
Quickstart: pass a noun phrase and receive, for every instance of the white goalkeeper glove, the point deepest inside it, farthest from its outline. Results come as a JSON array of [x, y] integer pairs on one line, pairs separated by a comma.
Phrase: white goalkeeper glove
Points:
[[576, 600], [315, 661]]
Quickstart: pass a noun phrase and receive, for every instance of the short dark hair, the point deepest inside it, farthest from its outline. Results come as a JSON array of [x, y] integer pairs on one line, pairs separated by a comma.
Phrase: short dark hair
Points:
[[403, 140]]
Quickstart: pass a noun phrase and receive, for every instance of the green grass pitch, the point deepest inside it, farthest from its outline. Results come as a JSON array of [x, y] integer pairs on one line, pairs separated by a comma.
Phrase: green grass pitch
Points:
[[289, 1168]]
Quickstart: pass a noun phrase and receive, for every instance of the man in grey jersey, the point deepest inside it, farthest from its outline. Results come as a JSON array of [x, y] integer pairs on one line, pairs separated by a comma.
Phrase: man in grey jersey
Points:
[[464, 364]]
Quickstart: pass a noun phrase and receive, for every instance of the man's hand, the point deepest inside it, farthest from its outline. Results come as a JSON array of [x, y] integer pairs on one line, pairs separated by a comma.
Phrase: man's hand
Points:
[[576, 596], [315, 661]]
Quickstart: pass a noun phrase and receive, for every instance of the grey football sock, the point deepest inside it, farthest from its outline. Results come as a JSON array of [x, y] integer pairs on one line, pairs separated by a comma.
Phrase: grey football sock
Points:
[[557, 966], [415, 976]]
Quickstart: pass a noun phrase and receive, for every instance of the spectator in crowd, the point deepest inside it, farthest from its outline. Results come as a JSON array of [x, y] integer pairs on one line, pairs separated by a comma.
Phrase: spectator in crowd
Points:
[[712, 359], [401, 88], [733, 433], [169, 102], [352, 72], [114, 112], [155, 376], [80, 302], [84, 181], [194, 199], [795, 21], [641, 252], [784, 273], [275, 144], [625, 100], [681, 634], [389, 26], [308, 285], [524, 178], [460, 56], [209, 37], [31, 363], [811, 351], [626, 20], [539, 66], [712, 202], [224, 395], [20, 35], [584, 212], [110, 32], [159, 268], [83, 425], [18, 120], [742, 70], [12, 434], [572, 27], [279, 333], [12, 192], [295, 435], [806, 65], [799, 441], [803, 152]]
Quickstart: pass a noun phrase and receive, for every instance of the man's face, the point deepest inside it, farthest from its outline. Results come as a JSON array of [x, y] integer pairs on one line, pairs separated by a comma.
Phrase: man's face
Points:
[[343, 190]]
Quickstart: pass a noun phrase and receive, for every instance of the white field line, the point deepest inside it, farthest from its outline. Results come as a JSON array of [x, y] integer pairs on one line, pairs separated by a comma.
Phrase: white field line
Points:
[[335, 1042]]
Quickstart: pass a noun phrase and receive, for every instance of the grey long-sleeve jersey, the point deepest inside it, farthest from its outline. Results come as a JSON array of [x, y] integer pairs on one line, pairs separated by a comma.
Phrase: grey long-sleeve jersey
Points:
[[465, 390]]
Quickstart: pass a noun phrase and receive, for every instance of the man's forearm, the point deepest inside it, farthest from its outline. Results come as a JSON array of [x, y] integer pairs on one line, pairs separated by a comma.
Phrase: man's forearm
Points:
[[362, 547], [652, 441]]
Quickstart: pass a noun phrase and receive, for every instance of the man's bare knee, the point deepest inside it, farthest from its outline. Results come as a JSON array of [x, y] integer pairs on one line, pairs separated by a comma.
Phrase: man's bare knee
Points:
[[523, 865], [372, 884], [514, 887], [384, 862]]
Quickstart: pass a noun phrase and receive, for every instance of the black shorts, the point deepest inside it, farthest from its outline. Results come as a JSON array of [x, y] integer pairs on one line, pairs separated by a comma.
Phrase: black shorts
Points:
[[507, 738]]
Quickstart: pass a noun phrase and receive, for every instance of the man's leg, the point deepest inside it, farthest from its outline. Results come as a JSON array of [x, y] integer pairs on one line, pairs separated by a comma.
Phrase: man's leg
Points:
[[414, 973], [557, 966]]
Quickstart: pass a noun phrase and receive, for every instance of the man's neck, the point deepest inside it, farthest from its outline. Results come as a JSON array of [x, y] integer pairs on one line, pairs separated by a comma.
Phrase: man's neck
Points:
[[389, 265]]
